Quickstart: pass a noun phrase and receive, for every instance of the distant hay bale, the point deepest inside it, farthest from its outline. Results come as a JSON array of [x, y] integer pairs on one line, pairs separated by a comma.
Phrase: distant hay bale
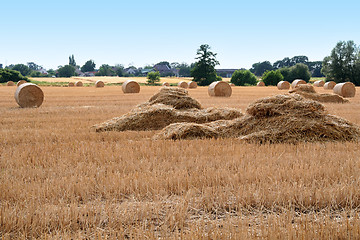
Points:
[[296, 82], [192, 84], [346, 89], [20, 82], [71, 84], [130, 86], [10, 83], [78, 84], [232, 85], [308, 91], [183, 84], [283, 85], [319, 83], [166, 84], [277, 119], [99, 84], [219, 89], [329, 85], [260, 84], [29, 95]]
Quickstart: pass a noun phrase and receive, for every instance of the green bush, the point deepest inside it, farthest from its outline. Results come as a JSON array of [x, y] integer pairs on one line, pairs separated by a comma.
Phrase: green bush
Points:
[[300, 71], [271, 78], [153, 77], [11, 75], [243, 78]]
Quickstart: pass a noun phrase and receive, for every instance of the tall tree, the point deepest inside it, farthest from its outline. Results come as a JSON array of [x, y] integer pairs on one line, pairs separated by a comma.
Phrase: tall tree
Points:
[[89, 66], [66, 71], [343, 64], [204, 71], [22, 68], [72, 61], [33, 66], [259, 68]]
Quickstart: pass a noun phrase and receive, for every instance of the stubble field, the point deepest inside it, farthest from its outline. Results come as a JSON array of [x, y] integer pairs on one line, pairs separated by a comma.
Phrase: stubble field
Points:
[[59, 179]]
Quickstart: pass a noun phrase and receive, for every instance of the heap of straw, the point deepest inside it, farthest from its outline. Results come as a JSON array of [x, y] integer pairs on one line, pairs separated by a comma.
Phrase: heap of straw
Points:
[[308, 91]]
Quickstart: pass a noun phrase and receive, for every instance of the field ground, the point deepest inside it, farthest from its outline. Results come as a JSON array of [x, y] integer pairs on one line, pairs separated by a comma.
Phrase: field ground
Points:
[[59, 179]]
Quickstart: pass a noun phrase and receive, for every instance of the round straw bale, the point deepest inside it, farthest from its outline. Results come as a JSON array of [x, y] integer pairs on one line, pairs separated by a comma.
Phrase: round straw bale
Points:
[[219, 89], [296, 82], [346, 89], [283, 85], [192, 84], [78, 84], [232, 85], [329, 85], [130, 86], [260, 84], [99, 84], [166, 84], [183, 84], [319, 83], [29, 95], [10, 83], [20, 82], [71, 84]]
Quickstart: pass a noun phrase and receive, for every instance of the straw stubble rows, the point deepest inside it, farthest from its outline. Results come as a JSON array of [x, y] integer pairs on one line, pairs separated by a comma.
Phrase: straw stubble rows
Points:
[[59, 178]]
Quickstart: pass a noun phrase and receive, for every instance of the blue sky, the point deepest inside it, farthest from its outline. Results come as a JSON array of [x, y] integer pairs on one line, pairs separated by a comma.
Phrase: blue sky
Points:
[[146, 32]]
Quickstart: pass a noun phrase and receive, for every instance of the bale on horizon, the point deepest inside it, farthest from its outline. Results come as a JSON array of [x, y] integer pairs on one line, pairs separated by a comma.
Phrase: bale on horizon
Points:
[[78, 84], [192, 84], [219, 89], [29, 95], [166, 84], [99, 84], [183, 84], [130, 86], [10, 83], [71, 84]]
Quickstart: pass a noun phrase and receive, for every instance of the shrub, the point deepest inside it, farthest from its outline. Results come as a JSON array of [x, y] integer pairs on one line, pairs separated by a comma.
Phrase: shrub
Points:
[[243, 77], [272, 78], [153, 77], [300, 71], [11, 75]]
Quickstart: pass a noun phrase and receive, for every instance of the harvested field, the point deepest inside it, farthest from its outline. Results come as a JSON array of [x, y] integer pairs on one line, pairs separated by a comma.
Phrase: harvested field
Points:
[[58, 180]]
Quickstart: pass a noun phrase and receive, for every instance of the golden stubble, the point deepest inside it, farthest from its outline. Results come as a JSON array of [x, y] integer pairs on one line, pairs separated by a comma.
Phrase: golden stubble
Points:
[[59, 179]]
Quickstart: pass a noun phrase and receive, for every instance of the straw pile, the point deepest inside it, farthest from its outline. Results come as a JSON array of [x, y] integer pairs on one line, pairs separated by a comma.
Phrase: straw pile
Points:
[[319, 83], [277, 119], [260, 84], [219, 89], [296, 82], [78, 84], [192, 84], [71, 84], [329, 85], [308, 91], [170, 105], [183, 84], [10, 83], [99, 84], [130, 86], [283, 85], [346, 89], [165, 84], [29, 95], [20, 82]]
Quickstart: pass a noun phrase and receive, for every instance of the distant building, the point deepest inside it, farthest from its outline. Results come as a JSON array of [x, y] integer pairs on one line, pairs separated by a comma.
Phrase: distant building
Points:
[[225, 72], [166, 70], [43, 71]]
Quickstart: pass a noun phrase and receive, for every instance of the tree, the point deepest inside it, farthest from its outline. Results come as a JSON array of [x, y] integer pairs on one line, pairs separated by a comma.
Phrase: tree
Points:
[[10, 75], [89, 66], [343, 64], [72, 61], [22, 68], [105, 70], [153, 77], [66, 71], [243, 77], [272, 78], [33, 66], [204, 70], [300, 71], [119, 70], [286, 73], [259, 68], [185, 69]]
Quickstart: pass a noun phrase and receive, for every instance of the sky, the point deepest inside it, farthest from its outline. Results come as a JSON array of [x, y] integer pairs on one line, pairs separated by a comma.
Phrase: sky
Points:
[[141, 33]]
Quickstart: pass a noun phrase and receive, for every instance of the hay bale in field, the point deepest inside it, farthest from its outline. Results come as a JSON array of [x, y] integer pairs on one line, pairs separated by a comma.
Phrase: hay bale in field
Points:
[[183, 84], [99, 84], [260, 84], [192, 84], [175, 97], [232, 85], [29, 95], [20, 82], [283, 85], [296, 82], [166, 84], [78, 84], [10, 83], [71, 84], [308, 91], [277, 119], [346, 89], [219, 89], [130, 86], [319, 83], [329, 85]]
